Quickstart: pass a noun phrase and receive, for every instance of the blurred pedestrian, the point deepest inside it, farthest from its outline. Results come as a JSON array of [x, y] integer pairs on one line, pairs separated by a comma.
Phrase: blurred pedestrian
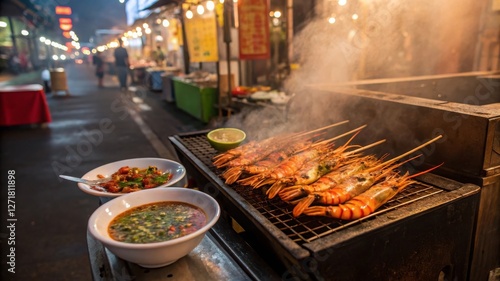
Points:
[[98, 61], [46, 80], [14, 63], [159, 56], [23, 61], [121, 64]]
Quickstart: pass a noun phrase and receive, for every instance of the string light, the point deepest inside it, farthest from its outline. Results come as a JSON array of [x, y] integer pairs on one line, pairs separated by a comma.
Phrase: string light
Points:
[[189, 14], [210, 5], [166, 23], [200, 10]]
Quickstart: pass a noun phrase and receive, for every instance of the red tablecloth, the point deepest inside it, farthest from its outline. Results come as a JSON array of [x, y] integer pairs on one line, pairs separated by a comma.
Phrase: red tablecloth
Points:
[[21, 105]]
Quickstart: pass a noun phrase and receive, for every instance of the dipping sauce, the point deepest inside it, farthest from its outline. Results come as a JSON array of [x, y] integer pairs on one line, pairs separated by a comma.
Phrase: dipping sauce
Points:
[[157, 222], [227, 136]]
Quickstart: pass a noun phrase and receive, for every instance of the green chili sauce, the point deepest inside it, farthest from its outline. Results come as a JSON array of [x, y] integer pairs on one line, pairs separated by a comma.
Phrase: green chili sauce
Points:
[[156, 222]]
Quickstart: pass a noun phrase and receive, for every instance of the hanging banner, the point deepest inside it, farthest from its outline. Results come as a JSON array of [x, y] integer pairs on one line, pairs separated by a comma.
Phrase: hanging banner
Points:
[[254, 29], [201, 35]]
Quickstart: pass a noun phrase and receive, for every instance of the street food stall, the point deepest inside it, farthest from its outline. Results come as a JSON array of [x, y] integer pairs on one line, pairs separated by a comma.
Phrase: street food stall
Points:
[[443, 224]]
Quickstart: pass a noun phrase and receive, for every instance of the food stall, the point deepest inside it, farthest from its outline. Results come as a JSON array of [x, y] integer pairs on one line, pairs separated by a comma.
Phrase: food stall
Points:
[[196, 95], [440, 225]]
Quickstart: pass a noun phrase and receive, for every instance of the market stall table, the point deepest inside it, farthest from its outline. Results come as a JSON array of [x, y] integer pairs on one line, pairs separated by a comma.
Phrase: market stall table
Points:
[[196, 98], [23, 105]]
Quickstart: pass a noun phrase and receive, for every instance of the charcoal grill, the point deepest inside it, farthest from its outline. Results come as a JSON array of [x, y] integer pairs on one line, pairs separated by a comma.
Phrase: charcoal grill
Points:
[[421, 234]]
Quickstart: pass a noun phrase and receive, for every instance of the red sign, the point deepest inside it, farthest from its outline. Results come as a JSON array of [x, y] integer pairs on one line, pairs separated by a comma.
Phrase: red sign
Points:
[[63, 10], [254, 38], [65, 24]]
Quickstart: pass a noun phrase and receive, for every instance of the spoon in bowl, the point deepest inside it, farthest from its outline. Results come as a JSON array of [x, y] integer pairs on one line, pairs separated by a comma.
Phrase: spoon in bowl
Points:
[[92, 183]]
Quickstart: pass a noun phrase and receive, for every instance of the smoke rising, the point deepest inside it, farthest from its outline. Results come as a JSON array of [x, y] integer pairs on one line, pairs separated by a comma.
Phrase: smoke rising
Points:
[[369, 40]]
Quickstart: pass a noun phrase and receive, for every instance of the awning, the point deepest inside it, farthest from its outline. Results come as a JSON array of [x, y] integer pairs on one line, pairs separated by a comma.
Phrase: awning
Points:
[[161, 3]]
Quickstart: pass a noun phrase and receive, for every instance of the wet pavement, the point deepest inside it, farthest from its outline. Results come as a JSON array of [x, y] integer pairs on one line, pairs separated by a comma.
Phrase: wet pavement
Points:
[[89, 128]]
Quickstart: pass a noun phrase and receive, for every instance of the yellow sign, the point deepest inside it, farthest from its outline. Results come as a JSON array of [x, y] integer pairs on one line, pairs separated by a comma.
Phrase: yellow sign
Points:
[[201, 34]]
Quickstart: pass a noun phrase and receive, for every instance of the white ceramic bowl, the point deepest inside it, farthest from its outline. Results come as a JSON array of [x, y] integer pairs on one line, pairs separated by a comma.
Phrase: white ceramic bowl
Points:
[[158, 254], [178, 172]]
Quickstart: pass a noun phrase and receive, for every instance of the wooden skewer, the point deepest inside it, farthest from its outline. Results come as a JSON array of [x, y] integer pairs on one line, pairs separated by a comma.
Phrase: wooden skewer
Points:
[[339, 136], [322, 128], [408, 153], [365, 147]]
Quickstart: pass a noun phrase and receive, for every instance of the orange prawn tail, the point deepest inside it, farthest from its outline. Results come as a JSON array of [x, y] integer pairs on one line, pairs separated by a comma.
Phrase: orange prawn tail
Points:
[[277, 187], [232, 174], [223, 160], [263, 182], [250, 181], [303, 205], [292, 192]]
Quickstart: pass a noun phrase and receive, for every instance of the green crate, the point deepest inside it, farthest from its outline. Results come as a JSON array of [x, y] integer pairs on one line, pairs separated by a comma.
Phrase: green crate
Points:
[[195, 100]]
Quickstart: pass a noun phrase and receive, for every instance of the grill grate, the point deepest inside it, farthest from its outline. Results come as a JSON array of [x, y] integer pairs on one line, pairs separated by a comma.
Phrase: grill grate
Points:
[[303, 229]]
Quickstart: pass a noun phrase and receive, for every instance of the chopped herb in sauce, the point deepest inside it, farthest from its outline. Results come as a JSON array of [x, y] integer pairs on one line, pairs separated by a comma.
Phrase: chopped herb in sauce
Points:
[[128, 179], [156, 222]]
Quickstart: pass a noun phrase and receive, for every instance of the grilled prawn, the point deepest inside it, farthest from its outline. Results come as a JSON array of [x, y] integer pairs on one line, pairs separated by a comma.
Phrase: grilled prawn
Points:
[[252, 147], [232, 174], [291, 165], [316, 168], [348, 186], [311, 171], [367, 202], [328, 180]]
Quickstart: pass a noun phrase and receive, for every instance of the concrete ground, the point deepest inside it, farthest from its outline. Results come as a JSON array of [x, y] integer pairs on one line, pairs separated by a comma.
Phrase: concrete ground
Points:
[[52, 214]]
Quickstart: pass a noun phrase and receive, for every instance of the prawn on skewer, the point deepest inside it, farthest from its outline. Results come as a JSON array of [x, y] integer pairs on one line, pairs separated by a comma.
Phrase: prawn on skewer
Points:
[[329, 180], [290, 165], [220, 159], [347, 187], [248, 150], [232, 174], [287, 167], [255, 165], [367, 202], [339, 193], [262, 153], [316, 168]]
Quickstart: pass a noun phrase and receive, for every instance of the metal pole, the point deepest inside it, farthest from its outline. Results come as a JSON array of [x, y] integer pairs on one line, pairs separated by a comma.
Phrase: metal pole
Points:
[[228, 9], [289, 33], [185, 51], [12, 35]]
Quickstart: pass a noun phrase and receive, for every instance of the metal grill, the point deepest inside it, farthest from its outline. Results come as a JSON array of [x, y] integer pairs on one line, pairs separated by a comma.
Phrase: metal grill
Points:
[[303, 229]]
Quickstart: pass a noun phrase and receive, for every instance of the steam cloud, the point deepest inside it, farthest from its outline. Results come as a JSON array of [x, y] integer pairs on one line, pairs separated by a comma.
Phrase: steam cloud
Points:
[[386, 39]]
